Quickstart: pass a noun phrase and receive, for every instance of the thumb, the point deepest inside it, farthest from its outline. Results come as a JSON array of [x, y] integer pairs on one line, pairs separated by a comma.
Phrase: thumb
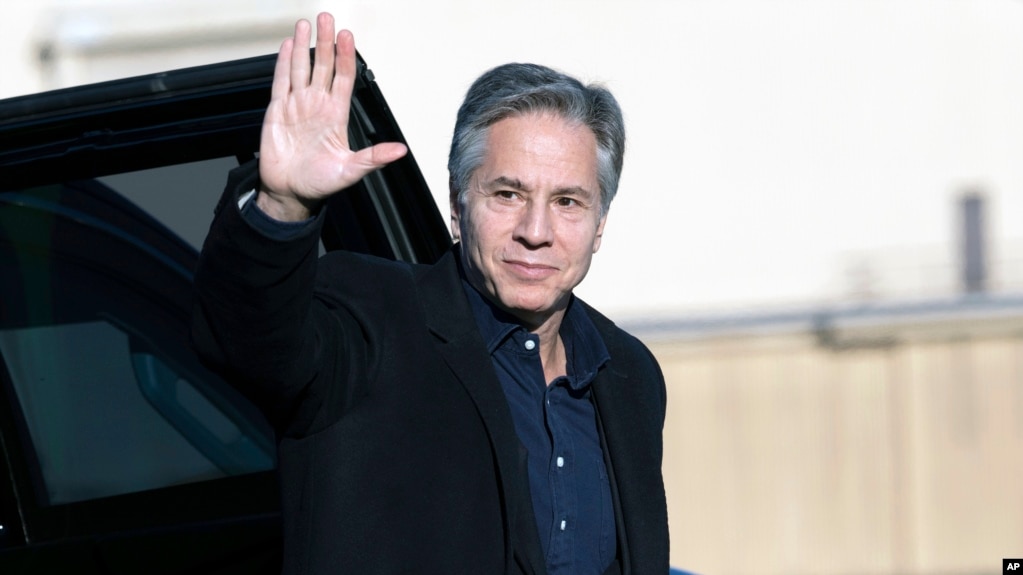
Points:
[[371, 159], [379, 155]]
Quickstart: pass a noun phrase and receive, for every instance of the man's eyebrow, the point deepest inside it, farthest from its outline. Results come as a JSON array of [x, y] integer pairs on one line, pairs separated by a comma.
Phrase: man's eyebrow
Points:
[[515, 184], [575, 191], [506, 182]]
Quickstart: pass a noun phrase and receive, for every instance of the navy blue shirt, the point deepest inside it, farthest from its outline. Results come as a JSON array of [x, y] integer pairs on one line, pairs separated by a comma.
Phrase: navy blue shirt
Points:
[[557, 424]]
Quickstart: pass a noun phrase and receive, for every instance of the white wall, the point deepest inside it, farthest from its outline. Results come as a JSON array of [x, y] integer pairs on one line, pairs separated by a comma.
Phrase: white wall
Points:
[[768, 140]]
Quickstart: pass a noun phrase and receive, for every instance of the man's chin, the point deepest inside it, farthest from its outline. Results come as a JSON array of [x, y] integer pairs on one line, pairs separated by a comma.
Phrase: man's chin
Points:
[[533, 312]]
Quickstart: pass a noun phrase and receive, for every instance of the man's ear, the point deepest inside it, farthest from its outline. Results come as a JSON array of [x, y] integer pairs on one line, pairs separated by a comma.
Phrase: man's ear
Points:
[[456, 211], [600, 233]]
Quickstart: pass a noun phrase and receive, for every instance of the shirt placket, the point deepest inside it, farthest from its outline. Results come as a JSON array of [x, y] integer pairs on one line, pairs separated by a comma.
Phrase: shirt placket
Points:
[[561, 474]]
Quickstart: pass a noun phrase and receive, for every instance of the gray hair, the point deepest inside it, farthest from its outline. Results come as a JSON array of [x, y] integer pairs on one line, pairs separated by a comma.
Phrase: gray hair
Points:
[[518, 89]]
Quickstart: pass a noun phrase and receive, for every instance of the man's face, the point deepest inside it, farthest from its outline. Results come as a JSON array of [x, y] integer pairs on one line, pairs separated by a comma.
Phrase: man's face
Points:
[[531, 220]]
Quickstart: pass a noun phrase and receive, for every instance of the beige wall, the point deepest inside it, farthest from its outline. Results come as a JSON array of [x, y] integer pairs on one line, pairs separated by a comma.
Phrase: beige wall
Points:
[[783, 456]]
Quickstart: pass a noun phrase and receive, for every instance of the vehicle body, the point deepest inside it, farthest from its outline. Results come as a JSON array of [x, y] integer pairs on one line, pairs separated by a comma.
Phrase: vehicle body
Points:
[[120, 452]]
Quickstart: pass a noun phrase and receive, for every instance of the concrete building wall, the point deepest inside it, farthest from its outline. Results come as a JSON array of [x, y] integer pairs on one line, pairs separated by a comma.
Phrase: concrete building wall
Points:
[[784, 456]]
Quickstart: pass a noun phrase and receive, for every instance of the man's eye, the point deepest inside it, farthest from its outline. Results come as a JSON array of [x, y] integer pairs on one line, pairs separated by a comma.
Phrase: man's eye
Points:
[[506, 194], [567, 202]]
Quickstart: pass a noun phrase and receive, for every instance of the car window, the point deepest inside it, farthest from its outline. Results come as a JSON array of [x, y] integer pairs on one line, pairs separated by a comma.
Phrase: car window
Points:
[[180, 196], [100, 416], [108, 396]]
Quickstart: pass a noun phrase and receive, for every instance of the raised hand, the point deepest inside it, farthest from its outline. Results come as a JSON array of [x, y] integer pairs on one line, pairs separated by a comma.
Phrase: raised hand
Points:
[[304, 151]]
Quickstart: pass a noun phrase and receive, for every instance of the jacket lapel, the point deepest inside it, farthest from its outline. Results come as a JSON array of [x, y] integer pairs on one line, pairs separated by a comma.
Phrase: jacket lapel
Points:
[[633, 467], [449, 318], [605, 388]]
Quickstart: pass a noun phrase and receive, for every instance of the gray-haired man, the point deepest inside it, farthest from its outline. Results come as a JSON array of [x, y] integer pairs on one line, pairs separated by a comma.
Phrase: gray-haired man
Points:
[[467, 417]]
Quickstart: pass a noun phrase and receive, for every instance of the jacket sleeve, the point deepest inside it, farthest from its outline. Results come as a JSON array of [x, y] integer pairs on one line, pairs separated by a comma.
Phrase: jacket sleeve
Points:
[[253, 320]]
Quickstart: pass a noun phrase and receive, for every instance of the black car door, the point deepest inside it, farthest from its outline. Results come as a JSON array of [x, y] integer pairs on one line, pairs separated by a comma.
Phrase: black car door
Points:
[[121, 453]]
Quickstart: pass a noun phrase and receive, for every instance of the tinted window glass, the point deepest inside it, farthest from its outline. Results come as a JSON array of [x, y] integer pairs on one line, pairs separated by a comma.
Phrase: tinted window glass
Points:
[[181, 196], [108, 396], [95, 432]]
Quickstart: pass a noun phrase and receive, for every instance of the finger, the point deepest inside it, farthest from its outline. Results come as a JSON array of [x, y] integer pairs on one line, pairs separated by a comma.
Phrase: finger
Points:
[[387, 152], [323, 68], [300, 56], [375, 157], [282, 81], [345, 64]]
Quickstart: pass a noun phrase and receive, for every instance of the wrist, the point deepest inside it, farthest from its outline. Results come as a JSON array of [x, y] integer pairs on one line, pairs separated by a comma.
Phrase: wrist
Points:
[[285, 208]]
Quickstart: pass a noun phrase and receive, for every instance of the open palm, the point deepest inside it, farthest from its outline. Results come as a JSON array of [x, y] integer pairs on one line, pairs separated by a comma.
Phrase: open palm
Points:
[[304, 150]]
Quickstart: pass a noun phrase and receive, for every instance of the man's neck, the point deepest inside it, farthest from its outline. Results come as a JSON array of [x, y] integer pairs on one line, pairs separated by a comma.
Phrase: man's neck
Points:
[[552, 348]]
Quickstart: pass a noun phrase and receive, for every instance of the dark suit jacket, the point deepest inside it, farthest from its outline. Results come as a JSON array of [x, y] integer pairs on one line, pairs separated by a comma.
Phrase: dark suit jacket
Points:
[[397, 450]]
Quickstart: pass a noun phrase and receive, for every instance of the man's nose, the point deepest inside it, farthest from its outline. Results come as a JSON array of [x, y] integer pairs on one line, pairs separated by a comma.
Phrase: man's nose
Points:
[[536, 225]]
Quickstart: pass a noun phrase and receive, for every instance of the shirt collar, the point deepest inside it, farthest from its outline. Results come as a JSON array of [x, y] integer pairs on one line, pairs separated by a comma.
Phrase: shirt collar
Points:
[[584, 347]]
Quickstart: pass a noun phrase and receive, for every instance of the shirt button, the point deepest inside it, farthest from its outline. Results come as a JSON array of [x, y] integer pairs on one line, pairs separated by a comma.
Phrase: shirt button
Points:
[[561, 461], [530, 345], [563, 524]]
